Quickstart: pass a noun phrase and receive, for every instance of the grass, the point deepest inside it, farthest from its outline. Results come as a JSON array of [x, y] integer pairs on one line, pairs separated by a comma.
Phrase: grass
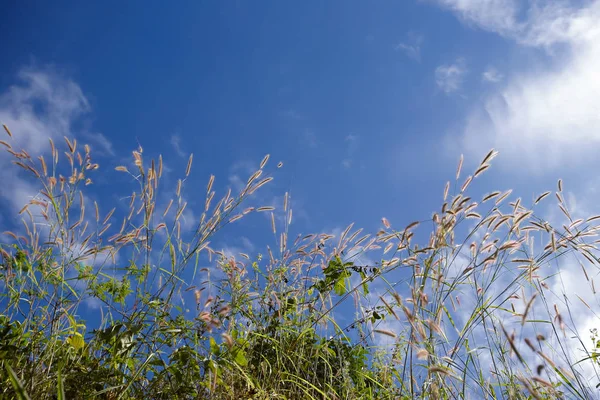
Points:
[[459, 305]]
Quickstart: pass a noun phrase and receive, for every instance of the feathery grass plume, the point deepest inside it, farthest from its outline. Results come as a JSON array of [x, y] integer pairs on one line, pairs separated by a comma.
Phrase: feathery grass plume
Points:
[[503, 197], [466, 184], [511, 342], [189, 165], [422, 354], [541, 197], [412, 225], [527, 308], [264, 161], [386, 223], [490, 196], [481, 170], [260, 184], [7, 130], [385, 332], [446, 189], [458, 169], [489, 157]]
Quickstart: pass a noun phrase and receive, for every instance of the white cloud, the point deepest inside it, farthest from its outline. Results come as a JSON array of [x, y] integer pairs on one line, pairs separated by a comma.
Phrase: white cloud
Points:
[[99, 144], [247, 243], [412, 46], [351, 147], [292, 114], [542, 116], [547, 117], [531, 22], [239, 173], [310, 139], [492, 75], [450, 77], [495, 15], [176, 143], [42, 105]]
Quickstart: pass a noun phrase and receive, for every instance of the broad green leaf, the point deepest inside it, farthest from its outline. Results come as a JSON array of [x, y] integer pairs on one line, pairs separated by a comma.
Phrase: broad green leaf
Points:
[[340, 287], [240, 358], [76, 341]]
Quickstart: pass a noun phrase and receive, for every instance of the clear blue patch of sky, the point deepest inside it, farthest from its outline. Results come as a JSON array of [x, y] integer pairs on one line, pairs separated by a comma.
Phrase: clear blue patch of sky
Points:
[[236, 80]]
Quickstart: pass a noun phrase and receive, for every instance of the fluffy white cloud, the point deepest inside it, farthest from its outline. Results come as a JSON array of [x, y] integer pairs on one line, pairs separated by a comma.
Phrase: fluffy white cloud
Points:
[[43, 105], [495, 15], [531, 22], [542, 116]]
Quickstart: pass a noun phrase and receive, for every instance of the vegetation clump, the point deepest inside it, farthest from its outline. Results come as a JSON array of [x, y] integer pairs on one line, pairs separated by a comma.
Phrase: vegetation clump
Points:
[[465, 309]]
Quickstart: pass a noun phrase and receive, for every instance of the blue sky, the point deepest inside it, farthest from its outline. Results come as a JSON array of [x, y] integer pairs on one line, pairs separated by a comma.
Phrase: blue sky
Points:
[[368, 104], [327, 88]]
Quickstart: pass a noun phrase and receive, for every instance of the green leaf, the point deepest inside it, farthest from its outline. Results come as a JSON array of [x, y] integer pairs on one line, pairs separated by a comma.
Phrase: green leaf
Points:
[[340, 287], [76, 341], [172, 255], [365, 286], [17, 385], [214, 347], [135, 375], [240, 358], [60, 387]]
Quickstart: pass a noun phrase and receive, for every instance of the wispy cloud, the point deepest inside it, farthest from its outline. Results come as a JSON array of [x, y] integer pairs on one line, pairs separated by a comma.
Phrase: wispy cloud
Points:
[[100, 144], [450, 77], [239, 173], [292, 114], [176, 143], [495, 15], [310, 139], [412, 46], [351, 146], [247, 243], [492, 75]]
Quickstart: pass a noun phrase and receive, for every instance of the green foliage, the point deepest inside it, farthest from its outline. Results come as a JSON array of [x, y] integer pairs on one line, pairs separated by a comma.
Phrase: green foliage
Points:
[[306, 322], [336, 274]]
